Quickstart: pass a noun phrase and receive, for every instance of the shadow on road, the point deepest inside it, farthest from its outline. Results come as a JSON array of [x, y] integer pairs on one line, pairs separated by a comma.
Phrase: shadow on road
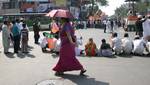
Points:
[[10, 55], [21, 55], [30, 48], [126, 56], [83, 80]]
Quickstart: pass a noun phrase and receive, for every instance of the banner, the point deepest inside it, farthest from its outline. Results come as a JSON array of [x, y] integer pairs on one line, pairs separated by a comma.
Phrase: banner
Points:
[[42, 7]]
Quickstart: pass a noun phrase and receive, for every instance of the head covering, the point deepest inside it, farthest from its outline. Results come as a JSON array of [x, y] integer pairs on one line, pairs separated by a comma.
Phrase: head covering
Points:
[[139, 16]]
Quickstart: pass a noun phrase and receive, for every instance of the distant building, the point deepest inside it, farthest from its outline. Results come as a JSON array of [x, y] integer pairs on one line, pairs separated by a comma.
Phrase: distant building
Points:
[[9, 6], [38, 6], [17, 6]]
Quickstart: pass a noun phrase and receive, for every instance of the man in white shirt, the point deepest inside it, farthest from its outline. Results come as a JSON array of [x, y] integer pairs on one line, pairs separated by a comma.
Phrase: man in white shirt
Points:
[[104, 23], [127, 45], [108, 25], [116, 44], [146, 28], [139, 46], [43, 42], [77, 49], [148, 47]]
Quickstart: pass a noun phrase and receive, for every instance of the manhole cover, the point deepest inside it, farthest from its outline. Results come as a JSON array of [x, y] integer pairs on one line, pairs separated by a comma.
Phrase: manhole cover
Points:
[[51, 82]]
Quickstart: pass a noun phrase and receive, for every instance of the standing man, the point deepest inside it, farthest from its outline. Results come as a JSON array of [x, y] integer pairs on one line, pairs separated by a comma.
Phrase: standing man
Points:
[[24, 38], [16, 37], [36, 29], [104, 24], [112, 25], [108, 27], [146, 28], [6, 37], [139, 26], [19, 26]]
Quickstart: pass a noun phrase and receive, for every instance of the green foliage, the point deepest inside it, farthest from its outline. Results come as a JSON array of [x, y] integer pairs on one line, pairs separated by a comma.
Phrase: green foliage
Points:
[[29, 22], [102, 2], [121, 11], [95, 6], [140, 7]]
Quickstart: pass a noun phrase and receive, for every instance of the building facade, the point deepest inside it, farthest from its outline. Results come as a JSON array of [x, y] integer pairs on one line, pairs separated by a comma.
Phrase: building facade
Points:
[[9, 6], [38, 6], [19, 6]]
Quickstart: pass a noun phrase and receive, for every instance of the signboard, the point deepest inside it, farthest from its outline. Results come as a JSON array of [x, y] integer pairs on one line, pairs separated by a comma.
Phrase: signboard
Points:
[[40, 7], [61, 3]]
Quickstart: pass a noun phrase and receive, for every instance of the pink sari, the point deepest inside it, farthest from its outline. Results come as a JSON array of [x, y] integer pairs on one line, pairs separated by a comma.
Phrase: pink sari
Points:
[[67, 60]]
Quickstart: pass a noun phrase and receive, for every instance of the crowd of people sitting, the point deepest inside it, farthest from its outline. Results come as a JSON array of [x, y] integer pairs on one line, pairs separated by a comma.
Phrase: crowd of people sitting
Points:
[[16, 32], [140, 45], [116, 46]]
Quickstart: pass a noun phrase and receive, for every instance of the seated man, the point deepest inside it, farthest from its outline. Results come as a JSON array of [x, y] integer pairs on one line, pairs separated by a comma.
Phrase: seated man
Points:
[[77, 49], [105, 49], [90, 48], [148, 47], [127, 44], [139, 46], [43, 42], [57, 46], [116, 44]]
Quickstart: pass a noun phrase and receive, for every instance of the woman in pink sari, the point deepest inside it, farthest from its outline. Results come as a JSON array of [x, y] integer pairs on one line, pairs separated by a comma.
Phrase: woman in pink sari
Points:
[[67, 60]]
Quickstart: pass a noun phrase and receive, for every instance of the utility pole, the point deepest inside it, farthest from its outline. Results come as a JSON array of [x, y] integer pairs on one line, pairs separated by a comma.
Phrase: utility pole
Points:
[[92, 6]]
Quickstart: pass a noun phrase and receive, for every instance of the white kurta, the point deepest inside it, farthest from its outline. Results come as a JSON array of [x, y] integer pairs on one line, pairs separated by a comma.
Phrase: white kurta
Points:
[[108, 26], [116, 43], [43, 42], [148, 45], [77, 49], [127, 45], [139, 46], [57, 45], [146, 28], [5, 38]]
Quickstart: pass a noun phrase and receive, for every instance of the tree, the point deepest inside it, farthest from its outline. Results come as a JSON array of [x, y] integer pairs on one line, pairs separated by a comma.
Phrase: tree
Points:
[[102, 2], [92, 6], [95, 3], [122, 11], [140, 7]]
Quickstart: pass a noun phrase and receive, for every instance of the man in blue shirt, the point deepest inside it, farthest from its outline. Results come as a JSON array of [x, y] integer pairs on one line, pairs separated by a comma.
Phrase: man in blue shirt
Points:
[[16, 37]]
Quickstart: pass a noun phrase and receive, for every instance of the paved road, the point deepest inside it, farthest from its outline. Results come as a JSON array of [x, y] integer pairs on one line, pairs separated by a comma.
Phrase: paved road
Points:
[[37, 66]]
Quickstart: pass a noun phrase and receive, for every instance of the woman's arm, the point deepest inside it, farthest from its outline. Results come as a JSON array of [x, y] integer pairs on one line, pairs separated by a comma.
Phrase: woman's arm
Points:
[[70, 38]]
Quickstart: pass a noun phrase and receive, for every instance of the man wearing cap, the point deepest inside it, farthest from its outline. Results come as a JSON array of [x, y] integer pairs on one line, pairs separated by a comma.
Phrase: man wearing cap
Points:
[[139, 26]]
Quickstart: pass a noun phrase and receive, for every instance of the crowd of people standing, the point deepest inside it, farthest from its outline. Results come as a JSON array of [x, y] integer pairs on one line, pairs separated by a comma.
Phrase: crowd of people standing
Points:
[[15, 33]]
